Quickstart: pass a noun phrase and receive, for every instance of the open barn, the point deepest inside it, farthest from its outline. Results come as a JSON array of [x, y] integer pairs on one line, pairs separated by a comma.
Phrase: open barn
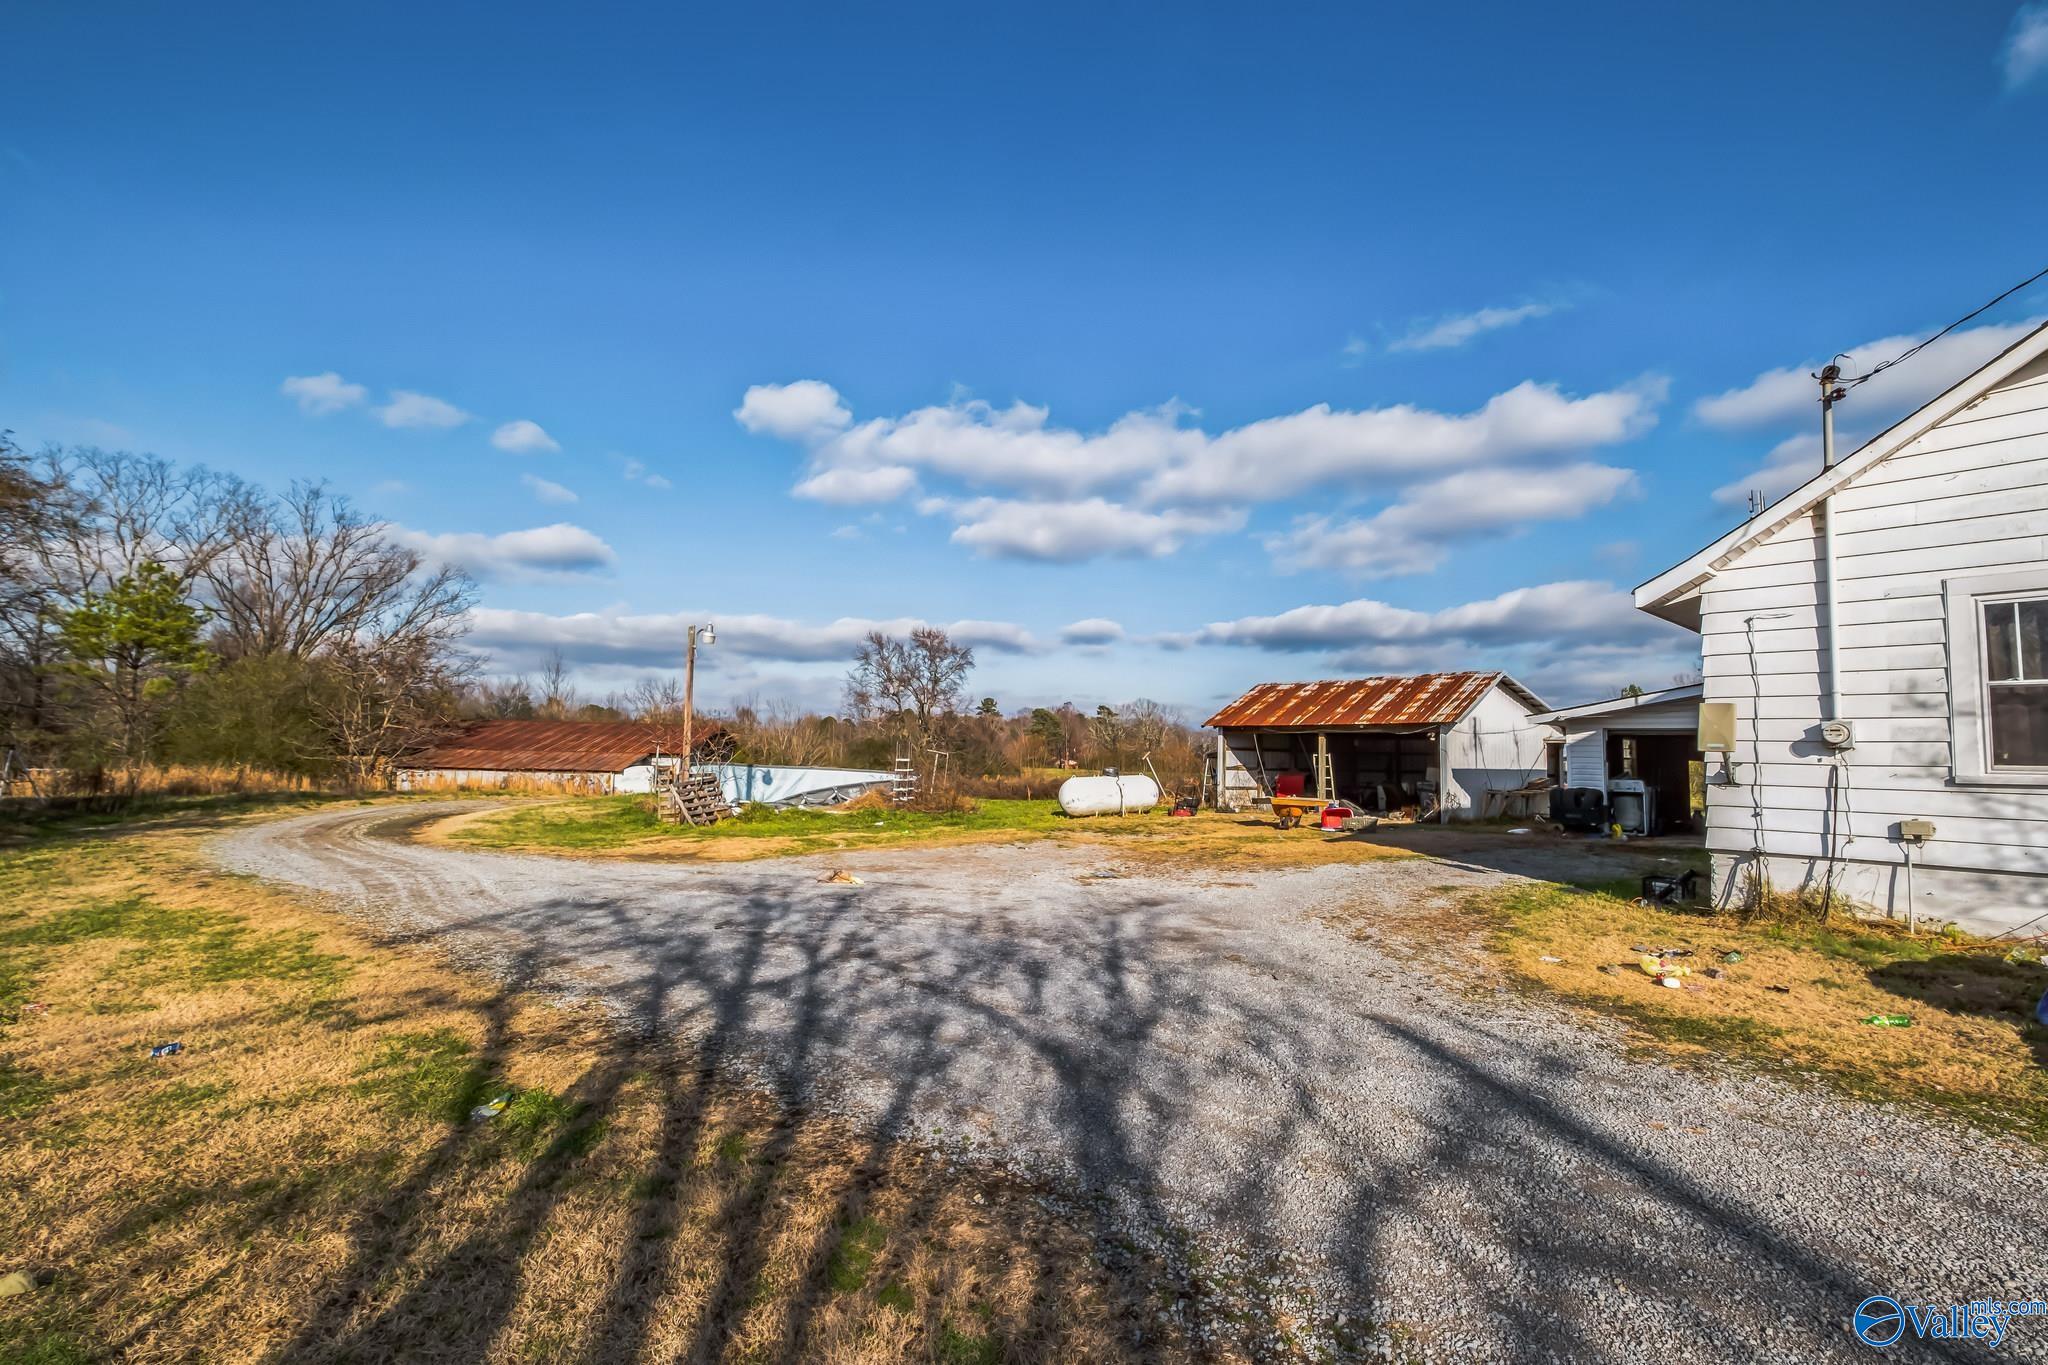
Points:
[[1444, 745]]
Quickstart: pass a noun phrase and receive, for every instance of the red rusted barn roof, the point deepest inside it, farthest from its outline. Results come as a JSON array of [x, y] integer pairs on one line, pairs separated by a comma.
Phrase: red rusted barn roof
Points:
[[559, 746], [1425, 699]]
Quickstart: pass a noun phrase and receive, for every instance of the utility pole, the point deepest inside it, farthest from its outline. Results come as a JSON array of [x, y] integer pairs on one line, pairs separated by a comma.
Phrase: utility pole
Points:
[[709, 635], [1831, 392]]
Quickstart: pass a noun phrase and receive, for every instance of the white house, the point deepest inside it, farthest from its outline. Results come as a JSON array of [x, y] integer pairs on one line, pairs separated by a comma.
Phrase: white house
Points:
[[1649, 738], [1902, 593], [1382, 743]]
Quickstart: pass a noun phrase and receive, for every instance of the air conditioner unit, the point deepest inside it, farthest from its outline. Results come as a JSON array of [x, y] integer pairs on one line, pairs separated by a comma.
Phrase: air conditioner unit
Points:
[[1631, 804]]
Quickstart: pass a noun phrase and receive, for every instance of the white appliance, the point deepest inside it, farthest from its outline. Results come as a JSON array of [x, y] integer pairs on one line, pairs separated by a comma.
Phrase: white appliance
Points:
[[1630, 804]]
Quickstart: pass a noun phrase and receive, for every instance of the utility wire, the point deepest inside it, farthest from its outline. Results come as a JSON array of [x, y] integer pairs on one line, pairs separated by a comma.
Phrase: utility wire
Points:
[[1911, 351]]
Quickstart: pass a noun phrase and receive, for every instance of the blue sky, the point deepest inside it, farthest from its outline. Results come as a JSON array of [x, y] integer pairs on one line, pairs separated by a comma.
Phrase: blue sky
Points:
[[1165, 349]]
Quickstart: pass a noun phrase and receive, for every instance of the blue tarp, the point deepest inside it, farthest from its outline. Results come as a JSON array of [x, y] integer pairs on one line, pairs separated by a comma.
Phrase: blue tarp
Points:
[[762, 784]]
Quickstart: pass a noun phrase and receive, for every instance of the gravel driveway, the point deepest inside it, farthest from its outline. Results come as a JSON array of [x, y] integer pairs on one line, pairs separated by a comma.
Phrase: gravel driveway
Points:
[[1213, 1069]]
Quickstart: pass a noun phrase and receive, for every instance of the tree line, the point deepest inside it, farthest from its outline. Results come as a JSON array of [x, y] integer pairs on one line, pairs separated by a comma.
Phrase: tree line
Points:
[[157, 615], [153, 616]]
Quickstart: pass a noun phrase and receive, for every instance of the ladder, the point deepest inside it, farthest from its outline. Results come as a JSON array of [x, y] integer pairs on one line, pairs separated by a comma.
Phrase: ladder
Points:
[[697, 800], [1325, 772], [903, 783]]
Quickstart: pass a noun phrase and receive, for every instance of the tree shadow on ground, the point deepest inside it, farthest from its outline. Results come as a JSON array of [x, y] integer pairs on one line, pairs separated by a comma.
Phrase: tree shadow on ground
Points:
[[1323, 1157]]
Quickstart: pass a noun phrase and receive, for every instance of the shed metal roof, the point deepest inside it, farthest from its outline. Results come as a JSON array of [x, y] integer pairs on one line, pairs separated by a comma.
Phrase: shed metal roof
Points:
[[1425, 699], [557, 746]]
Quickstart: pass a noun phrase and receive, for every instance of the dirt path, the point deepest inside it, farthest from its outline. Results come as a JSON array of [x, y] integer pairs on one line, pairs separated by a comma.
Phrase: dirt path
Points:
[[1464, 1179]]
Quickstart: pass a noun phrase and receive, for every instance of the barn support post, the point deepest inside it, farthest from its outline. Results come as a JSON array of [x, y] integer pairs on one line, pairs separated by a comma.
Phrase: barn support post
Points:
[[1443, 775]]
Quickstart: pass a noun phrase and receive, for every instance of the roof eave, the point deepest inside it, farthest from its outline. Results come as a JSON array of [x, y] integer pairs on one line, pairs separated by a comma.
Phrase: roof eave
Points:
[[1690, 573]]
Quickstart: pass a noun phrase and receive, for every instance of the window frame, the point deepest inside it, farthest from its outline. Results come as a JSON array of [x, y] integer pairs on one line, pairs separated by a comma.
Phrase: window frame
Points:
[[1969, 684]]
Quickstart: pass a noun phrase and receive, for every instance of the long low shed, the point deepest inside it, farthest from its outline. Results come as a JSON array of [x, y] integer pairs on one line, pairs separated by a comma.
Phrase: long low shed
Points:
[[1383, 743]]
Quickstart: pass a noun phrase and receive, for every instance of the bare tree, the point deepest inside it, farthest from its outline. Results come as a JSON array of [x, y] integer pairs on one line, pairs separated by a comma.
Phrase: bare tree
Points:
[[914, 683], [557, 693], [303, 572], [384, 697]]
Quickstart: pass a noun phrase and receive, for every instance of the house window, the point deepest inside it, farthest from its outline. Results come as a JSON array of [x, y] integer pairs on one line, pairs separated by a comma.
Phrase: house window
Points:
[[2016, 682], [1997, 636]]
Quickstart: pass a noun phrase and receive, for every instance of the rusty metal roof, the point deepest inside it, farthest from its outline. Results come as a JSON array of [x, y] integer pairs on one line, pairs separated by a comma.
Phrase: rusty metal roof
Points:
[[1425, 699], [558, 746]]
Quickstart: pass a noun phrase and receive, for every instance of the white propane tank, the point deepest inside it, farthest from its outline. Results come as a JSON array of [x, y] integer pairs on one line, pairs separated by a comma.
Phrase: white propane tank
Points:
[[1108, 795]]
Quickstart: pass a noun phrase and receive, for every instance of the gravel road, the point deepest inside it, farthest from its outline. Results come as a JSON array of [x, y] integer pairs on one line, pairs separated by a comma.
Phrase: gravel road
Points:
[[1306, 1119]]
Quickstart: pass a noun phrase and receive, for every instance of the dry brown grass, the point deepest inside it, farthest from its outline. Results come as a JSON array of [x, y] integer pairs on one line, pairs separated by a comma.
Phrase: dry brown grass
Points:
[[177, 779], [298, 1184], [1798, 997]]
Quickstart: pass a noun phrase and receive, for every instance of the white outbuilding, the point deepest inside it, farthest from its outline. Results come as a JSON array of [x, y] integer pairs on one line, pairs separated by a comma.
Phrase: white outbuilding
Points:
[[1881, 634], [1450, 745]]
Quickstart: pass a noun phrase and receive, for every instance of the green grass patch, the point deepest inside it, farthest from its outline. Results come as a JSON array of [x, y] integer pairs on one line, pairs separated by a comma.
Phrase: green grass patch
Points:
[[180, 1099], [433, 1075], [179, 945], [854, 1257], [896, 1297], [732, 1148], [602, 823], [968, 1348], [22, 1091]]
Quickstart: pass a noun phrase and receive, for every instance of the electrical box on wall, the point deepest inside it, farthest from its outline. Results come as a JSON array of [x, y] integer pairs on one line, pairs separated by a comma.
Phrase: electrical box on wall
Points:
[[1838, 734], [1918, 831], [1717, 727]]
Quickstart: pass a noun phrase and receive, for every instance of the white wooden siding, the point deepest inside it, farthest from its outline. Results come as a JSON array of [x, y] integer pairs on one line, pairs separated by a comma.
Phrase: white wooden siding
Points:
[[1971, 495], [1495, 746]]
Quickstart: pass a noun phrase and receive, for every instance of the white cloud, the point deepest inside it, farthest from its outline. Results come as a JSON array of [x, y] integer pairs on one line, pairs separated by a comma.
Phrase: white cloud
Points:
[[636, 472], [1790, 398], [884, 483], [321, 394], [409, 409], [1791, 395], [1067, 532], [547, 490], [522, 438], [1547, 612], [1094, 631], [2025, 53], [543, 551], [1460, 328], [802, 411], [656, 639], [1174, 464], [1415, 534]]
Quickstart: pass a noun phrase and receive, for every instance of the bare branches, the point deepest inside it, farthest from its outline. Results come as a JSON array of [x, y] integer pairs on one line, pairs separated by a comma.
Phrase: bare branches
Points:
[[915, 683]]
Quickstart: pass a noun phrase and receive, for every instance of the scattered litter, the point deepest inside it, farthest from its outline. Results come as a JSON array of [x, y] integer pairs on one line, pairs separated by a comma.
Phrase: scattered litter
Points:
[[1524, 830], [1782, 990], [15, 1282], [1715, 974], [1731, 957], [34, 1007], [1548, 958], [842, 877], [166, 1049], [1610, 969], [491, 1110], [1673, 982], [1889, 1020], [1667, 965]]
